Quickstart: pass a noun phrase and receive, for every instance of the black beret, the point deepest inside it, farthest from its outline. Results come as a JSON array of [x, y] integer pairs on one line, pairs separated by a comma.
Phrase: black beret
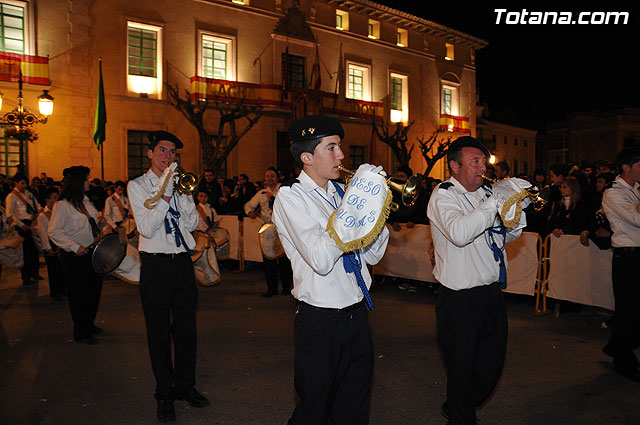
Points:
[[156, 136], [466, 142], [628, 156], [314, 127], [76, 171]]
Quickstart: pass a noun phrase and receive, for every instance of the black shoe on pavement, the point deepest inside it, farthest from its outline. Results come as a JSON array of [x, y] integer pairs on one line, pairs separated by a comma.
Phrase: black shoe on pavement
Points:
[[166, 412], [268, 294], [194, 398], [96, 330], [87, 339], [444, 410], [632, 373]]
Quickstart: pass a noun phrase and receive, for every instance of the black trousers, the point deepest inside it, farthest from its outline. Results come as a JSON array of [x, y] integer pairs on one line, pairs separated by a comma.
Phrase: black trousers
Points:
[[472, 331], [271, 268], [57, 278], [169, 297], [625, 333], [333, 366], [84, 287], [30, 254]]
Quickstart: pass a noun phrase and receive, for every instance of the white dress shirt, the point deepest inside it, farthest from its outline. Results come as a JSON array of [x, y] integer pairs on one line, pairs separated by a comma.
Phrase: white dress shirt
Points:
[[112, 212], [459, 228], [261, 198], [43, 229], [619, 204], [70, 228], [301, 212], [17, 209], [151, 222], [208, 212]]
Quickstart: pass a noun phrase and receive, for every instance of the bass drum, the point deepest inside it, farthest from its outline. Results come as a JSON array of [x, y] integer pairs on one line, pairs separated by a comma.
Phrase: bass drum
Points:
[[108, 253], [220, 237], [270, 242]]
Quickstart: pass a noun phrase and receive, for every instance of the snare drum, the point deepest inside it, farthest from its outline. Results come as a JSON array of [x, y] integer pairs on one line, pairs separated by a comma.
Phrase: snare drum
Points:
[[202, 244], [108, 253], [270, 242], [219, 236]]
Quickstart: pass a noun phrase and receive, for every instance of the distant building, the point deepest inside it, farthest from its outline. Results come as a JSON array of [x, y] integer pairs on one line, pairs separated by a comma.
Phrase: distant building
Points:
[[587, 138], [515, 145], [393, 65]]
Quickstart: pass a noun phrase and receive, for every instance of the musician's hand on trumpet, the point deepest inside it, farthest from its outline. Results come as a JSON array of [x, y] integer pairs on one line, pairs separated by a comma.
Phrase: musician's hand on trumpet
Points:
[[168, 176]]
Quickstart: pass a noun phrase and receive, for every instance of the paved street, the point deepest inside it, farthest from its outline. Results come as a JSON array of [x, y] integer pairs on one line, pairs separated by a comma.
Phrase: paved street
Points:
[[555, 372]]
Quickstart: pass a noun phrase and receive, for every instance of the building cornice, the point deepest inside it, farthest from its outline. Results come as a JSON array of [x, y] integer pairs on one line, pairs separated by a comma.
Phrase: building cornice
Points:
[[407, 20]]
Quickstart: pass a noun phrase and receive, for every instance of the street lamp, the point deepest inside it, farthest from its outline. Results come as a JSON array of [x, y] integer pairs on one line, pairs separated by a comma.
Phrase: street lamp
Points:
[[23, 120]]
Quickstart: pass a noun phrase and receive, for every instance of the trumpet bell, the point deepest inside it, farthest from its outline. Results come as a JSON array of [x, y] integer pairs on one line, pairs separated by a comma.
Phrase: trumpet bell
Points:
[[185, 182], [409, 190]]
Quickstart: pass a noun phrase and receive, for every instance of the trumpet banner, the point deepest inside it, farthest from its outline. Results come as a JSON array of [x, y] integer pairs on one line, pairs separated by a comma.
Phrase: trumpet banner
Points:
[[362, 212]]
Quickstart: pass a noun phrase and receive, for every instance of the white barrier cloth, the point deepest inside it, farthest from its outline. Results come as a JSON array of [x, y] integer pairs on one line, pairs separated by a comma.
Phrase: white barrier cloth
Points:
[[408, 254], [522, 268], [580, 274]]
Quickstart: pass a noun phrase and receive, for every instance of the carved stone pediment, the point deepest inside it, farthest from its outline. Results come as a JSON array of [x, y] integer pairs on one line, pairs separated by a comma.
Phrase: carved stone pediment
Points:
[[294, 24]]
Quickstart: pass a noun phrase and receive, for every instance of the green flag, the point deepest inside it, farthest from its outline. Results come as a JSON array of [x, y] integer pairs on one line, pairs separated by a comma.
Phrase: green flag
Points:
[[99, 128]]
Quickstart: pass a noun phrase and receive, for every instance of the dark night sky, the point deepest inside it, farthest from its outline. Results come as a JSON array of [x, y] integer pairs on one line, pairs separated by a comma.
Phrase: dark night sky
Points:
[[531, 74]]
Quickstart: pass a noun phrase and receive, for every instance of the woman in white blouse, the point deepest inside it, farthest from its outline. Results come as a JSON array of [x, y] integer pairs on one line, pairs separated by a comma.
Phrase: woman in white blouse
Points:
[[73, 228]]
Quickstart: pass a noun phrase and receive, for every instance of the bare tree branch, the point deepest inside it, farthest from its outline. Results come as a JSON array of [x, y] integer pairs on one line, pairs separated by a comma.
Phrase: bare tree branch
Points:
[[396, 139], [426, 148], [215, 150]]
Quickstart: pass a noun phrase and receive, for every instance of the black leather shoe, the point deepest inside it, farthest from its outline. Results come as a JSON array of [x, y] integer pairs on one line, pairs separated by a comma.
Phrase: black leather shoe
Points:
[[632, 373], [166, 412], [87, 339], [268, 294], [444, 410], [95, 330], [194, 398]]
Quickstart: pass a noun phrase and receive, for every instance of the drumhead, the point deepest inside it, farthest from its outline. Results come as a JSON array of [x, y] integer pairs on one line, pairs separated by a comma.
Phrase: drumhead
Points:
[[108, 254], [270, 242]]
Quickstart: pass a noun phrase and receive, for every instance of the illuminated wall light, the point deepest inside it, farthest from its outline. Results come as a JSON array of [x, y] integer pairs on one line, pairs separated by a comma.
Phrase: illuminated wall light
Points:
[[396, 115], [239, 1], [142, 85], [492, 159]]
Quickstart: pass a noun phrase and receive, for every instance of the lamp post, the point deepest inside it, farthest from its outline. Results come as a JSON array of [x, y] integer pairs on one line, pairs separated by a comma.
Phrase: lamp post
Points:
[[23, 120]]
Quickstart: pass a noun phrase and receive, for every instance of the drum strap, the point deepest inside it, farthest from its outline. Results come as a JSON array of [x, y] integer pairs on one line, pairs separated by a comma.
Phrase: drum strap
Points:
[[204, 216], [95, 229], [354, 265], [31, 208], [120, 207]]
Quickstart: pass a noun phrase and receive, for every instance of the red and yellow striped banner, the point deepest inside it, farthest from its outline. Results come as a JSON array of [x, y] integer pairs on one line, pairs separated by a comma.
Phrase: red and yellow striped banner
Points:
[[271, 95], [35, 69], [453, 123]]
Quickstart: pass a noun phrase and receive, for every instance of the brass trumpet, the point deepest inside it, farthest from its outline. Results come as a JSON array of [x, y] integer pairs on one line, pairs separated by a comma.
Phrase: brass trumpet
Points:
[[533, 194], [409, 190], [183, 182]]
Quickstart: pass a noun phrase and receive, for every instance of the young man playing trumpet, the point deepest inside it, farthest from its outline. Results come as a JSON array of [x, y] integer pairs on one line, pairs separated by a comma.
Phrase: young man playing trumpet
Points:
[[167, 283], [334, 349]]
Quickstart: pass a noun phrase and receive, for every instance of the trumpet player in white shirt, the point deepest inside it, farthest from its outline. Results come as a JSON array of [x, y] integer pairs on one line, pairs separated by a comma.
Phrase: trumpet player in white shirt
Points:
[[167, 282], [334, 348]]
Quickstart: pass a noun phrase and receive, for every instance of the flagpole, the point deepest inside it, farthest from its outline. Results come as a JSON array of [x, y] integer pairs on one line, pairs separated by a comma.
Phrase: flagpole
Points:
[[102, 161]]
